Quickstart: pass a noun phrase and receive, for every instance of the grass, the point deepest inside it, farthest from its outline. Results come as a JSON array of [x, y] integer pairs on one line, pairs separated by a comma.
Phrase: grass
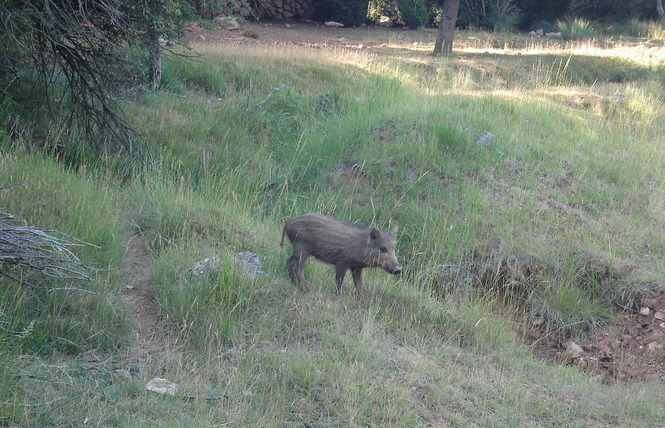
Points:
[[538, 222]]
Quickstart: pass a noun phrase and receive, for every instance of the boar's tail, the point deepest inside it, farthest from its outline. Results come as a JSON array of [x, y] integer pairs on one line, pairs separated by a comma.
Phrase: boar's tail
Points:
[[281, 244]]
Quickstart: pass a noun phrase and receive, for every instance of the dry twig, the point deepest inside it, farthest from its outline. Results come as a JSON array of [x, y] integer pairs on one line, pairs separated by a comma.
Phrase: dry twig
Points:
[[44, 251]]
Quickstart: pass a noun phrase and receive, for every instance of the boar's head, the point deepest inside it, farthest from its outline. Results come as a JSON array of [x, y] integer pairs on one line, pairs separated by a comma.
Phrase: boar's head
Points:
[[382, 250]]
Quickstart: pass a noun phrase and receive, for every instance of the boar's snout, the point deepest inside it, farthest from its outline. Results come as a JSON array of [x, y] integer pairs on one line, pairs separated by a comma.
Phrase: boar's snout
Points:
[[396, 270]]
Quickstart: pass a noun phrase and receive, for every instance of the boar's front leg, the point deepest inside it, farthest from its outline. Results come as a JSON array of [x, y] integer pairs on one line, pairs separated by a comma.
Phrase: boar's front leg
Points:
[[357, 279], [340, 273]]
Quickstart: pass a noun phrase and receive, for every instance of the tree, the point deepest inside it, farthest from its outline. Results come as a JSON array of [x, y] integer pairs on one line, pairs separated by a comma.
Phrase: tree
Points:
[[661, 12], [62, 61], [163, 22], [444, 38], [67, 62]]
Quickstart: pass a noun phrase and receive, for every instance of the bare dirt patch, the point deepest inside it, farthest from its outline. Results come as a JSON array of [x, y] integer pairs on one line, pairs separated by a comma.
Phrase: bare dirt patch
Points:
[[309, 34], [630, 347], [147, 338]]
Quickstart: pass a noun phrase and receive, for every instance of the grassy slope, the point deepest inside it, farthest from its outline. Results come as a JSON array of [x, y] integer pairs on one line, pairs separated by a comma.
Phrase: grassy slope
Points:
[[572, 180]]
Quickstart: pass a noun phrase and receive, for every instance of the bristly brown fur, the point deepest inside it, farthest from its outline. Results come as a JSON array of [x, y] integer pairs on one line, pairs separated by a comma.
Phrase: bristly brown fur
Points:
[[347, 246]]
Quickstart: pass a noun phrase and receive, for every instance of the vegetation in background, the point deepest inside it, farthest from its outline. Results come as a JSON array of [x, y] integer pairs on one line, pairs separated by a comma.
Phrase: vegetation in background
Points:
[[576, 29], [351, 13], [64, 67], [413, 13]]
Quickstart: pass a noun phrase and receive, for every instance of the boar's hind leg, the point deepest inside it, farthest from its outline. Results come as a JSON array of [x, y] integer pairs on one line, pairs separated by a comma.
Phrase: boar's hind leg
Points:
[[357, 279], [295, 266], [340, 273]]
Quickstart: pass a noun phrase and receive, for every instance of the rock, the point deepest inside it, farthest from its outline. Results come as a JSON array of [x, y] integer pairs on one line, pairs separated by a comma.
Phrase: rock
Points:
[[250, 263], [553, 34], [485, 139], [660, 316], [333, 24], [123, 373], [653, 346], [162, 386], [644, 311], [540, 32], [573, 351], [227, 22], [203, 268], [287, 25]]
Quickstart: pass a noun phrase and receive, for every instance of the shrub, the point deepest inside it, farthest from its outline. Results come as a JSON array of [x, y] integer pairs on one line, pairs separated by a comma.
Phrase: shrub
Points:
[[351, 13], [378, 8], [576, 29], [413, 13], [504, 16]]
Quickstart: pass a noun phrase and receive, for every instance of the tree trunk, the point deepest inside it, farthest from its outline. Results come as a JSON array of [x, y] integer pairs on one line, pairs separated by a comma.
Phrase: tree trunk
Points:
[[444, 39], [155, 59], [661, 12]]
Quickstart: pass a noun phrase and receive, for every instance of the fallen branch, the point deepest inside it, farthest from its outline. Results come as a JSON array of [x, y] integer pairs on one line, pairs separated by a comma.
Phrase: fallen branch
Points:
[[273, 92], [44, 251]]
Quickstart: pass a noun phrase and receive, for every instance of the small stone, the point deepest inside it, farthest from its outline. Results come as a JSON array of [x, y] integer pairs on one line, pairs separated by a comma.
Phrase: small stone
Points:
[[250, 263], [654, 346], [660, 316], [162, 386], [227, 22], [573, 351], [333, 24], [644, 311], [485, 139]]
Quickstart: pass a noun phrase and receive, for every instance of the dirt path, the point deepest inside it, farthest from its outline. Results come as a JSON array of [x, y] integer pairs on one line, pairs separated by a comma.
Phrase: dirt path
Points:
[[147, 336]]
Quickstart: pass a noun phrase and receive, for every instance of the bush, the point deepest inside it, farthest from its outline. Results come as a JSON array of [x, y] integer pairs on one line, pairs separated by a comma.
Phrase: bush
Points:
[[413, 13], [501, 15], [576, 29], [378, 8], [504, 16], [351, 13]]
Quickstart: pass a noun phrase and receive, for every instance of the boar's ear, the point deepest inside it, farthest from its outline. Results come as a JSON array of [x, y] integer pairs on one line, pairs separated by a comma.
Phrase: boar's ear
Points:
[[393, 231], [374, 234]]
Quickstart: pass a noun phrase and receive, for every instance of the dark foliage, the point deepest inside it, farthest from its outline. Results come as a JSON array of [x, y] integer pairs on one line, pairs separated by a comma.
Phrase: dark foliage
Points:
[[351, 13], [413, 13], [65, 64]]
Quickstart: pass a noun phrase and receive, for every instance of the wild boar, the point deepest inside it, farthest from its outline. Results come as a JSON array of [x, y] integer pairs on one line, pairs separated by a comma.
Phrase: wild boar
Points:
[[347, 246]]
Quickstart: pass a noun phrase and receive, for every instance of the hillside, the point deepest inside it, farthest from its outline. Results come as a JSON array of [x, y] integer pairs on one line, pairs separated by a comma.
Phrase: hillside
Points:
[[525, 175]]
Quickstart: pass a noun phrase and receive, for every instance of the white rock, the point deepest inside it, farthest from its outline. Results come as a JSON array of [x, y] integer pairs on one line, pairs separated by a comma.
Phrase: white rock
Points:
[[227, 23], [162, 386], [573, 351], [333, 24], [644, 311], [250, 263], [655, 345]]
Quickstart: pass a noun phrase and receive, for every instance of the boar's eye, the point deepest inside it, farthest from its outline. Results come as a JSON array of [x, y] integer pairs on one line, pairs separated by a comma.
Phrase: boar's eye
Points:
[[383, 249]]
